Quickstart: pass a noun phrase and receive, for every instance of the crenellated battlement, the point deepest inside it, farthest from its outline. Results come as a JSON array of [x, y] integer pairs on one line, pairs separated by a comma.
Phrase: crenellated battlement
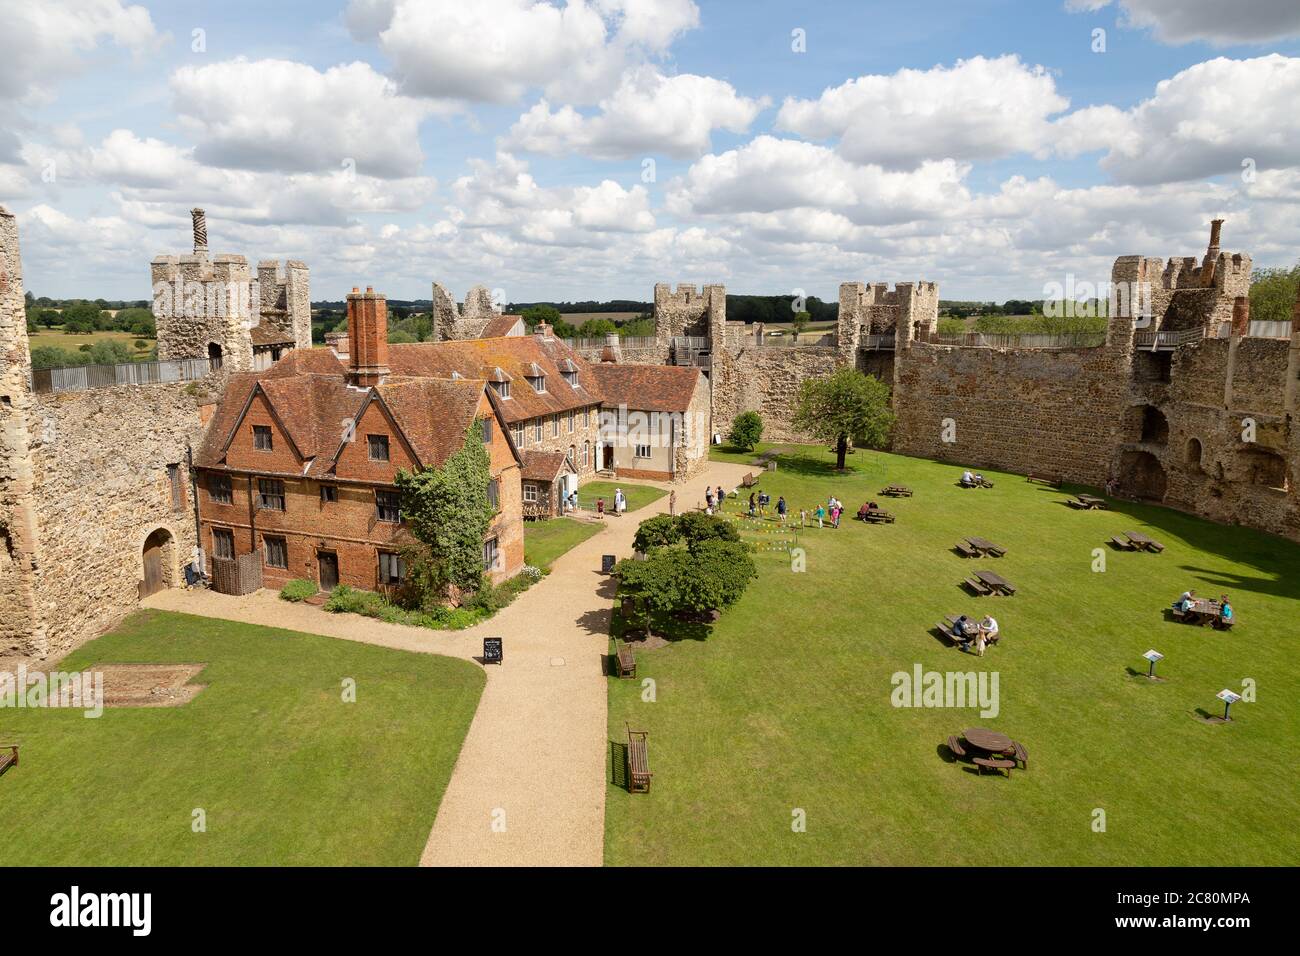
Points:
[[451, 321]]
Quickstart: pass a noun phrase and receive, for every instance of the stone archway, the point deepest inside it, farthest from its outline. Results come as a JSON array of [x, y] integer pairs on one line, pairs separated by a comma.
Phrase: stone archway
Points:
[[158, 557], [214, 355], [1142, 475], [1155, 427], [1194, 455]]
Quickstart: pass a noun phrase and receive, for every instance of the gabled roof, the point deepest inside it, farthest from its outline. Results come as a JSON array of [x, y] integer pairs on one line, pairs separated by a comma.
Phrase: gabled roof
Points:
[[650, 388], [516, 356], [501, 325], [314, 407], [545, 465]]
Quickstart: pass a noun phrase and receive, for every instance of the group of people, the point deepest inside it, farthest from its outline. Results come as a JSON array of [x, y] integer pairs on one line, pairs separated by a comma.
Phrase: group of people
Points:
[[831, 511], [713, 499], [620, 504], [1188, 598], [974, 635], [971, 480]]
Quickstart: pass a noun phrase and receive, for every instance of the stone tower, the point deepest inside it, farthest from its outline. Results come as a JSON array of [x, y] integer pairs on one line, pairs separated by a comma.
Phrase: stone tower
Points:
[[21, 630], [454, 322]]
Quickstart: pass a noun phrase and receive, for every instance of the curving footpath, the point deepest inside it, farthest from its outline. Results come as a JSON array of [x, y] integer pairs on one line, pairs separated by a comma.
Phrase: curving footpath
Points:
[[528, 788]]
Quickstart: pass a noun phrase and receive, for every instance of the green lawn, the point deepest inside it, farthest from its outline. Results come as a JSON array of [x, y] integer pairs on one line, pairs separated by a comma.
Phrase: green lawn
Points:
[[286, 772], [787, 704], [544, 541], [638, 496]]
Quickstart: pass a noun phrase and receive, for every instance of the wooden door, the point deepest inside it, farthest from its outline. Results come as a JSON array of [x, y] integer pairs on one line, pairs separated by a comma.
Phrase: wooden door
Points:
[[154, 579], [328, 562]]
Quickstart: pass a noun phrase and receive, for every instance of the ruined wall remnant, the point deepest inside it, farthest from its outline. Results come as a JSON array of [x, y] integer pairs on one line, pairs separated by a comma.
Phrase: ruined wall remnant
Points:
[[451, 321]]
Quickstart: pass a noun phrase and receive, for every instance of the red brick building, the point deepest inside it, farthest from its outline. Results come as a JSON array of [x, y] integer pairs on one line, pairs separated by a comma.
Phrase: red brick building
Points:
[[299, 461]]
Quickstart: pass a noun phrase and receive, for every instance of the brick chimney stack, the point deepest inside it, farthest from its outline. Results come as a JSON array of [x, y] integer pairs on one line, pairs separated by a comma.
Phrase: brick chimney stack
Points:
[[543, 331], [1240, 315], [367, 337], [1211, 263]]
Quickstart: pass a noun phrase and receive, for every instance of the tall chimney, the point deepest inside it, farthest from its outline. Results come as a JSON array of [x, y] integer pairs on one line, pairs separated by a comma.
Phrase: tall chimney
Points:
[[1211, 263], [542, 330], [1240, 315], [367, 337], [200, 220]]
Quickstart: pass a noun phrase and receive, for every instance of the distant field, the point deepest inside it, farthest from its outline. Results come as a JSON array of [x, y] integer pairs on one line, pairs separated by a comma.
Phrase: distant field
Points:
[[577, 318], [60, 339]]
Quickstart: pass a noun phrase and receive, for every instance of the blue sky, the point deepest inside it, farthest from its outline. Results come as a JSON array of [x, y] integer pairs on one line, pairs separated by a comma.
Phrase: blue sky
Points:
[[983, 145]]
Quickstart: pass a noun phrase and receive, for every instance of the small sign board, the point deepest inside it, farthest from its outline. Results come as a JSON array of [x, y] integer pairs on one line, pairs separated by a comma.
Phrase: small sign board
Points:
[[1153, 656], [492, 650], [1227, 696], [607, 563]]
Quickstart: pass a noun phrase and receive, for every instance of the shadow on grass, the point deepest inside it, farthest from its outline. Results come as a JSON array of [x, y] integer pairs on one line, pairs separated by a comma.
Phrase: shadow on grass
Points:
[[662, 626], [618, 765]]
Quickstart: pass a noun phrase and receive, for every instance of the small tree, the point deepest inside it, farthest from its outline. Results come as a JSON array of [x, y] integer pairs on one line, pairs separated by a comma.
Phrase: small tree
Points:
[[696, 527], [843, 406], [657, 532], [800, 322], [746, 430]]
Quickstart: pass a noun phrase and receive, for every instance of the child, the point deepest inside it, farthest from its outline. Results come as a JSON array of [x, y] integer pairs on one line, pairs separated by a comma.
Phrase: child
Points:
[[600, 508], [821, 515], [803, 517]]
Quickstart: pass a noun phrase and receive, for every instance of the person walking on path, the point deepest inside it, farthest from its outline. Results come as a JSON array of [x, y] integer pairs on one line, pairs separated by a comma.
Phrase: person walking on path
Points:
[[600, 508], [620, 502], [780, 509], [708, 499], [672, 503], [752, 505]]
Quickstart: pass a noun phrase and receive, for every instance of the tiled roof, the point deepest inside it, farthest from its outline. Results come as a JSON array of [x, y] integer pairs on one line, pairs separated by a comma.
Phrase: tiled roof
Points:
[[543, 465], [650, 388], [313, 402], [500, 326], [515, 356], [264, 333]]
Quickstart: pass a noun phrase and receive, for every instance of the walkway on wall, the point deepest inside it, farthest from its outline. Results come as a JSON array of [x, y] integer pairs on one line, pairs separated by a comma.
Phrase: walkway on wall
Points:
[[534, 758]]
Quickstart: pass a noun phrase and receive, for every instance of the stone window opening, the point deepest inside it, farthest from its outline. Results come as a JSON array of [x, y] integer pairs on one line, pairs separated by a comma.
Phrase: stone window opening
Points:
[[1194, 455], [177, 487], [1268, 470], [1155, 427], [276, 550]]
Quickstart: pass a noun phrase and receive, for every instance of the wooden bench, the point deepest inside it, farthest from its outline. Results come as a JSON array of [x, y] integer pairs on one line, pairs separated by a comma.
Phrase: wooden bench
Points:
[[896, 491], [1124, 544], [1021, 754], [979, 587], [1044, 480], [749, 481], [9, 759], [994, 764], [966, 551], [985, 483], [947, 631], [1155, 546], [998, 552], [955, 746], [638, 761], [624, 659]]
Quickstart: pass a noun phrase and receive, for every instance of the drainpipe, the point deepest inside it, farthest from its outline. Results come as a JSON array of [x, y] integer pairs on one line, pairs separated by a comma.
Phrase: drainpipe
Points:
[[194, 500]]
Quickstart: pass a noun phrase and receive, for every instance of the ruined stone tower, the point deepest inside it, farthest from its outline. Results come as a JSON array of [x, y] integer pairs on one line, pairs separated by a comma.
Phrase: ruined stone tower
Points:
[[211, 307], [453, 322]]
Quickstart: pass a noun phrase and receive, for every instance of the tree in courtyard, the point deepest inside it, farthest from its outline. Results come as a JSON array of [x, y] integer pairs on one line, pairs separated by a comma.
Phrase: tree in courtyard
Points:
[[845, 406], [657, 532], [696, 527], [688, 582], [447, 511], [746, 430]]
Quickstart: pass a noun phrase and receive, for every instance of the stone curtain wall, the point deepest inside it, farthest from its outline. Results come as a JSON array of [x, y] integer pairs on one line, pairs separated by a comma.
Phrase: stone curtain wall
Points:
[[1044, 411], [21, 633], [766, 379], [100, 462], [641, 355]]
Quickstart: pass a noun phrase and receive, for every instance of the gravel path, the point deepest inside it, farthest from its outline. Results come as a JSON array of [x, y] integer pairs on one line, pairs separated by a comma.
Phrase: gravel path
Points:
[[529, 785]]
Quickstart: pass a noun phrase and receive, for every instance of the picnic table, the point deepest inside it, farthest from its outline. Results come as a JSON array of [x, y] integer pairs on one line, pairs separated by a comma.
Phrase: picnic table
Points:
[[1203, 611], [1142, 542], [986, 547], [995, 582], [896, 491], [989, 741], [1088, 502], [876, 516]]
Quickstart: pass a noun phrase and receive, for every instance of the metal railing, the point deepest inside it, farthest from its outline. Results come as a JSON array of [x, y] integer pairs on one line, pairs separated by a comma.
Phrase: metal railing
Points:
[[626, 341], [806, 340], [990, 340], [886, 341], [1269, 330], [1167, 339], [79, 378]]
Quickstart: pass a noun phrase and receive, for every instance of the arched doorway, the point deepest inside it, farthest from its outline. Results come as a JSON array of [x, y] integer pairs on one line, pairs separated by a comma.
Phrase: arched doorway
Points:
[[1194, 453], [1142, 475], [156, 554], [214, 355], [1155, 427]]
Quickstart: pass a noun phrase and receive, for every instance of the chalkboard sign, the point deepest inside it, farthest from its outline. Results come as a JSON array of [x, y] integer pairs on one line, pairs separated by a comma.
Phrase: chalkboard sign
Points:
[[606, 563], [492, 650]]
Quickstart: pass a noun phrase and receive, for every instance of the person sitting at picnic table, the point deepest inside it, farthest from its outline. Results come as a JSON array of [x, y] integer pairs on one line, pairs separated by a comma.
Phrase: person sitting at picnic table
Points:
[[869, 506], [989, 628], [1184, 603], [967, 479], [1225, 612], [964, 628]]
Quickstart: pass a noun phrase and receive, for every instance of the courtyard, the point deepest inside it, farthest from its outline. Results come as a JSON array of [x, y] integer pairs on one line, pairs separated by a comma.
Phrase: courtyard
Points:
[[784, 709]]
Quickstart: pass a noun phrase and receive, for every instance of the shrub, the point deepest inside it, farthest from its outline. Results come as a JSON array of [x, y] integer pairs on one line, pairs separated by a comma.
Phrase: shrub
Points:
[[657, 532], [746, 430], [299, 589], [696, 527]]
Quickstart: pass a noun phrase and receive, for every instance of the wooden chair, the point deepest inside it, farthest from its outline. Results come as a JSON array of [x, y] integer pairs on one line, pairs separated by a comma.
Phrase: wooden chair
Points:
[[955, 746], [1021, 754], [638, 761], [979, 587], [966, 551], [998, 552], [949, 633], [987, 763], [9, 759], [624, 659]]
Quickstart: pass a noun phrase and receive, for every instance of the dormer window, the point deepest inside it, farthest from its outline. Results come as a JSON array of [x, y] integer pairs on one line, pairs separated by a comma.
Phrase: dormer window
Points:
[[538, 382], [502, 389], [570, 372], [572, 378]]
